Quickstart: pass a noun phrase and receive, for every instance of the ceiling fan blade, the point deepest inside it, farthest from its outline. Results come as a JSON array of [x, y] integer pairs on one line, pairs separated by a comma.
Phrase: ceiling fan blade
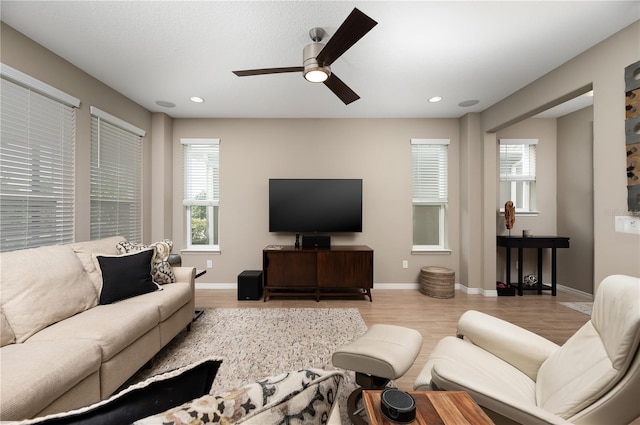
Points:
[[249, 72], [340, 89], [352, 29]]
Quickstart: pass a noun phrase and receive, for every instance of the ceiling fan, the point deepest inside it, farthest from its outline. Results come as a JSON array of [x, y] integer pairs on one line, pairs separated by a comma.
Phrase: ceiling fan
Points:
[[318, 57]]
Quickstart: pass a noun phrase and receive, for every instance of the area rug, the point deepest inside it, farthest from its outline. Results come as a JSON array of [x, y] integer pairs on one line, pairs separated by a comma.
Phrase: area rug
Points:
[[258, 342], [582, 307]]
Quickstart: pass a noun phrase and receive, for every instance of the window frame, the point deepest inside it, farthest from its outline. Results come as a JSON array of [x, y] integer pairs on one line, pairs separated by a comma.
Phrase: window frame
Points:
[[212, 203], [436, 194], [529, 187]]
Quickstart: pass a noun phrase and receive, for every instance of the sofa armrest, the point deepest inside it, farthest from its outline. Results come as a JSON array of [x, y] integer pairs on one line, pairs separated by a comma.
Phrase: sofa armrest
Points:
[[517, 346], [185, 274]]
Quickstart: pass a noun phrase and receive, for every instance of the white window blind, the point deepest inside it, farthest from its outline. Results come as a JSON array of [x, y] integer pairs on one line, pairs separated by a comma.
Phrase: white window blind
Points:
[[518, 159], [116, 178], [429, 160], [201, 190], [37, 185]]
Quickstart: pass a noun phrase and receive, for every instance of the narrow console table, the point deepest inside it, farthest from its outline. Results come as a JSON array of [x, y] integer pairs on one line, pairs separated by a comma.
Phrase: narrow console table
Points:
[[339, 270], [539, 242]]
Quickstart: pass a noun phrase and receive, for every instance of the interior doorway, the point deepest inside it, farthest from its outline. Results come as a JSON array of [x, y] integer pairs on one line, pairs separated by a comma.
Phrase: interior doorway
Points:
[[574, 211]]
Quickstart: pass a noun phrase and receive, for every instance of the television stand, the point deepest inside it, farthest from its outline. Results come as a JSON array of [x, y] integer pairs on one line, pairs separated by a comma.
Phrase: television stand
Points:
[[341, 270]]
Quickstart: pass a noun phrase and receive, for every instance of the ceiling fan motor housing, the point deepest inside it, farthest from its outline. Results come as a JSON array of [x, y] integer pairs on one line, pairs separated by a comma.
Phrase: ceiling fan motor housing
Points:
[[310, 63]]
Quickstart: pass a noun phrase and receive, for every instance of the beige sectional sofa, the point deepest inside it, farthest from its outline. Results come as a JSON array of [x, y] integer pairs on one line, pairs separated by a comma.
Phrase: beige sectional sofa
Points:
[[61, 348]]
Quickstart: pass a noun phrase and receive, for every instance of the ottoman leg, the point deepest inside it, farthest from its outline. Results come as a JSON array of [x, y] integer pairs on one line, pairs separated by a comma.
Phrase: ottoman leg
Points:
[[365, 382]]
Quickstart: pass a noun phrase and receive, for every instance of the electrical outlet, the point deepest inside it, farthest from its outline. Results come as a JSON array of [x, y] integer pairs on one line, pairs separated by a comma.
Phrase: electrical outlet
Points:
[[209, 264], [628, 224], [405, 264]]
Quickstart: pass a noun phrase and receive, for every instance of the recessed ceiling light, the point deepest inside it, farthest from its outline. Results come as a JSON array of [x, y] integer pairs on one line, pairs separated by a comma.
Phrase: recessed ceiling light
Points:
[[467, 103], [435, 99], [165, 104], [197, 99]]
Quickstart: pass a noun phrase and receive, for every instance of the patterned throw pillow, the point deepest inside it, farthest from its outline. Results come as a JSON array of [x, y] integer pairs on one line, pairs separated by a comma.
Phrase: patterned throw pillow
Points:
[[161, 271], [305, 397]]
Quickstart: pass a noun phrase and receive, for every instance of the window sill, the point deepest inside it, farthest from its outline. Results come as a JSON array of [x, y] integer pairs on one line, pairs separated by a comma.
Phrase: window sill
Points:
[[431, 251], [522, 213], [201, 250]]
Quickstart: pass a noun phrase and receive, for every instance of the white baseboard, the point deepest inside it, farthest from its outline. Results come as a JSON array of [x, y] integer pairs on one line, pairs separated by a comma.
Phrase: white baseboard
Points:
[[575, 292], [477, 291], [204, 285], [395, 286]]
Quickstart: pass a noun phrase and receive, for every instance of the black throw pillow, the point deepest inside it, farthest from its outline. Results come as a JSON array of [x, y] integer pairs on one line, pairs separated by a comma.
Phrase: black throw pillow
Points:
[[155, 395], [125, 276]]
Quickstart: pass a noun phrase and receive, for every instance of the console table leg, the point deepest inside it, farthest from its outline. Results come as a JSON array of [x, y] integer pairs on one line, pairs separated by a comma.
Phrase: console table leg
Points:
[[539, 271], [508, 276], [520, 258], [553, 271]]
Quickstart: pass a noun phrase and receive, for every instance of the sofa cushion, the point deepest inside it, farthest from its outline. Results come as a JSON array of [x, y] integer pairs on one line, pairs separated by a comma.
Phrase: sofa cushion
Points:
[[161, 270], [85, 251], [302, 397], [6, 333], [125, 276], [168, 301], [29, 382], [149, 397], [113, 326], [41, 286]]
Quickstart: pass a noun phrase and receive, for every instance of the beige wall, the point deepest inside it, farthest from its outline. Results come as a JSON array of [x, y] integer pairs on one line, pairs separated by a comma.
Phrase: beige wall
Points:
[[575, 199], [471, 200], [602, 67], [161, 177], [377, 151], [24, 55]]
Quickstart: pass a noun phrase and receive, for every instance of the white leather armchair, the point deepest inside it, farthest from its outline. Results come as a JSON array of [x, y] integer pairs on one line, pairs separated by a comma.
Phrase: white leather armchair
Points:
[[520, 377]]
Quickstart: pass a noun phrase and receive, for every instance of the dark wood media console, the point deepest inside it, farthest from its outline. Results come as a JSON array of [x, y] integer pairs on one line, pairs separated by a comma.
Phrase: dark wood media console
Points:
[[337, 271]]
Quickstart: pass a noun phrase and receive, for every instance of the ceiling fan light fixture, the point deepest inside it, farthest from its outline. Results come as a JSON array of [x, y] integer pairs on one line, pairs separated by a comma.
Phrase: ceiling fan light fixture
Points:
[[316, 75]]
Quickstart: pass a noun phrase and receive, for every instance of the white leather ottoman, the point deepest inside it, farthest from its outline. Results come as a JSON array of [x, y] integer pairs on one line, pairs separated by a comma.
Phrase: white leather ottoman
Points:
[[383, 353]]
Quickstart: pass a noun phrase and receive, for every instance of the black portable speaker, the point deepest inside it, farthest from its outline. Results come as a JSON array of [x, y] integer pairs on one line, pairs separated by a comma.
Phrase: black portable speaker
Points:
[[250, 285], [397, 406]]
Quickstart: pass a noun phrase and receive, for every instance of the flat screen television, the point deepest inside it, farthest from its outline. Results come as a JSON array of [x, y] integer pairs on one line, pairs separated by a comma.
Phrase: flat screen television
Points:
[[315, 205]]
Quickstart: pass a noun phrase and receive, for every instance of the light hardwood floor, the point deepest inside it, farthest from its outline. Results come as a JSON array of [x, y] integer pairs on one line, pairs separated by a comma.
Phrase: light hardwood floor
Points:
[[434, 318]]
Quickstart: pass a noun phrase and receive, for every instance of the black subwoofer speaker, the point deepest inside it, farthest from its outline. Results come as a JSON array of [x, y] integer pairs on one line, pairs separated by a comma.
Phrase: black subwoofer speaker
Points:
[[250, 285]]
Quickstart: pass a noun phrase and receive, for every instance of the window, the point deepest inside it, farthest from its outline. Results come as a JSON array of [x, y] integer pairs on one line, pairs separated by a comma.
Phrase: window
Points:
[[202, 192], [518, 173], [37, 141], [430, 193], [116, 177]]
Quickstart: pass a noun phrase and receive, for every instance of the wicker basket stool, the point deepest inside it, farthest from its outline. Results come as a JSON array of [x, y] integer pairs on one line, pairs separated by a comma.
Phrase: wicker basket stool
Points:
[[437, 282]]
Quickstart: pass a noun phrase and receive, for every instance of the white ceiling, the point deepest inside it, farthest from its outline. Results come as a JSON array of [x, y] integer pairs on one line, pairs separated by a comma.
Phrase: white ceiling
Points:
[[171, 50]]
